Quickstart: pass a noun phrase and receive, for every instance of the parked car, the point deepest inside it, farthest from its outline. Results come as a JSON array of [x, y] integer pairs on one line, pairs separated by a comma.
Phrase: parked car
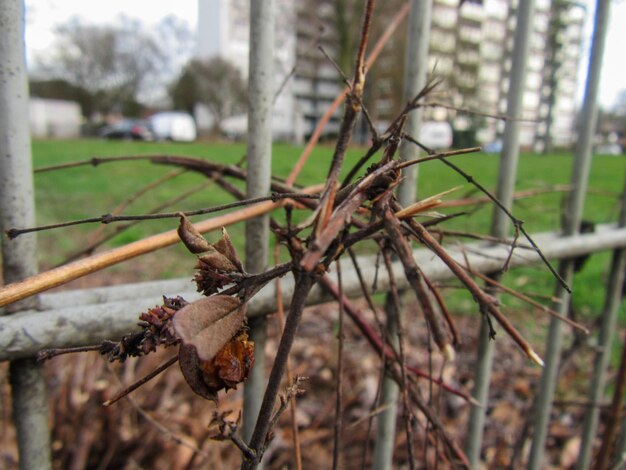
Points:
[[609, 149], [436, 135], [173, 125], [493, 147], [130, 129]]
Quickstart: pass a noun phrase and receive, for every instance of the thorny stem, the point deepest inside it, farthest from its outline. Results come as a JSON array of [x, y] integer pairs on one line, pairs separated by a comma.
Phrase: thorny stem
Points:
[[292, 404], [517, 223], [486, 303], [415, 278], [500, 117], [347, 124], [376, 50], [530, 301], [379, 345], [339, 381], [108, 218], [432, 418], [95, 243], [304, 283], [404, 383]]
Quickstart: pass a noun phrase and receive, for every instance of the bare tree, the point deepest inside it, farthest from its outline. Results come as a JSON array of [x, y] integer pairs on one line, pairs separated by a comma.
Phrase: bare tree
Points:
[[216, 83], [111, 62]]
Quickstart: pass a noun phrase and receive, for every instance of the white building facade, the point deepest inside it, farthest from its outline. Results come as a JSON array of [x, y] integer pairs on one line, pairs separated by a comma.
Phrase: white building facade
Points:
[[470, 48]]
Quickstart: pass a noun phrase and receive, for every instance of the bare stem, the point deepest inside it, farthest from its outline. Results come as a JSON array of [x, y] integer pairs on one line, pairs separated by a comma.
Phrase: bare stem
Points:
[[162, 368], [339, 386], [109, 218], [257, 442]]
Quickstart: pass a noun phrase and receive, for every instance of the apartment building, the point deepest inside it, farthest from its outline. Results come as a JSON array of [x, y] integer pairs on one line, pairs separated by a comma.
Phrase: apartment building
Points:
[[470, 50]]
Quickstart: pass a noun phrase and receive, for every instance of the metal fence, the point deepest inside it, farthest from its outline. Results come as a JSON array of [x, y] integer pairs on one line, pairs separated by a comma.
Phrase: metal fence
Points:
[[104, 313]]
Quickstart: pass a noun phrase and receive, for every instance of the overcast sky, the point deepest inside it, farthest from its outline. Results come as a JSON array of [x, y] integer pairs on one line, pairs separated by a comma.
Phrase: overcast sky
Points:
[[43, 15]]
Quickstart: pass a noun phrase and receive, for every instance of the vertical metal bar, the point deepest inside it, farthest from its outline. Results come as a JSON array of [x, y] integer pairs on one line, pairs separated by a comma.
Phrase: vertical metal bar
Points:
[[500, 223], [415, 71], [260, 94], [605, 341], [612, 302], [19, 257], [571, 223]]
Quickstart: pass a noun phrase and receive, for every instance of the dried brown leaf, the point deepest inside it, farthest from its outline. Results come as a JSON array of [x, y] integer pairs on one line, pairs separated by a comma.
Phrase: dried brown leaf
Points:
[[209, 323], [191, 237], [190, 366], [225, 246]]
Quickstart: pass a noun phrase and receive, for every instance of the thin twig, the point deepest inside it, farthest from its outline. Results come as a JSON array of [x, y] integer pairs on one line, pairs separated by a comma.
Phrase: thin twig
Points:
[[404, 383], [108, 218], [518, 224], [172, 435], [304, 282], [380, 346], [91, 247], [487, 304], [321, 124], [131, 388], [530, 301], [500, 117], [293, 403], [55, 277], [337, 441], [46, 354]]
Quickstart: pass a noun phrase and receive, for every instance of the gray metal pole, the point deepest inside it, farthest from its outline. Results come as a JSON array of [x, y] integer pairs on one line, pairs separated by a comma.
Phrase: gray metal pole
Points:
[[609, 316], [571, 223], [19, 257], [415, 72], [260, 95], [612, 302], [500, 223]]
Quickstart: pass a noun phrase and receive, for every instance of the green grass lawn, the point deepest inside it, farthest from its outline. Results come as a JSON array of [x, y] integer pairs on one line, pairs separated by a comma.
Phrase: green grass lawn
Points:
[[90, 191]]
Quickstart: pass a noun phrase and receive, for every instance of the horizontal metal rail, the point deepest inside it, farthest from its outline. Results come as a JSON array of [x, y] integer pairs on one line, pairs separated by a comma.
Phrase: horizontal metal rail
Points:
[[88, 316]]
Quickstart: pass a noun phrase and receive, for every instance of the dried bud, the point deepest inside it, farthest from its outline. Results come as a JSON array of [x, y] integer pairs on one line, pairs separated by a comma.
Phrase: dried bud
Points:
[[218, 267], [193, 240], [157, 330], [225, 246]]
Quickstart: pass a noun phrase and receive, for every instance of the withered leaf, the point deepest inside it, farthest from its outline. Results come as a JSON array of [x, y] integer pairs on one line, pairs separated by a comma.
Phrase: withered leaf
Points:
[[214, 260], [231, 365], [192, 372], [225, 246], [193, 240], [209, 323]]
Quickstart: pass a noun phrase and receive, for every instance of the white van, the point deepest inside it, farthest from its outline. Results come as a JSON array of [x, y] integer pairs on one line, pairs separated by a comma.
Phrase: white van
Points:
[[173, 125], [436, 135]]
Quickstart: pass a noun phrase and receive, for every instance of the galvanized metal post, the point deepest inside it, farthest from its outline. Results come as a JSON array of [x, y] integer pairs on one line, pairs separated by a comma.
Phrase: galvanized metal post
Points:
[[500, 223], [612, 302], [415, 71], [260, 95], [19, 257], [571, 223]]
